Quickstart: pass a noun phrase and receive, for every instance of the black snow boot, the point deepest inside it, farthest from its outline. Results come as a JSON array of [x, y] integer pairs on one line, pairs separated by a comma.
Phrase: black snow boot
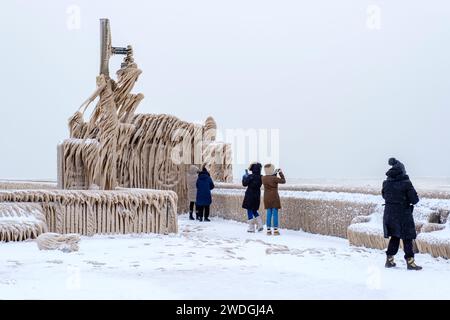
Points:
[[411, 264], [390, 262], [207, 220], [191, 217]]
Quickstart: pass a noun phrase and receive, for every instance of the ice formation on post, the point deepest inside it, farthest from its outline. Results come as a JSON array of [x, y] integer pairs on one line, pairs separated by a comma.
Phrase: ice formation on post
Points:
[[118, 147]]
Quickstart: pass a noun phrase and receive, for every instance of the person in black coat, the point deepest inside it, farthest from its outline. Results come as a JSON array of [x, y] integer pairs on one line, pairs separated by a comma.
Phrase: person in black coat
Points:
[[252, 198], [398, 222], [203, 201]]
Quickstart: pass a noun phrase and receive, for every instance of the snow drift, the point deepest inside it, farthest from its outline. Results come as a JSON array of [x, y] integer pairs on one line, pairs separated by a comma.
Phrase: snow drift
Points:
[[55, 241]]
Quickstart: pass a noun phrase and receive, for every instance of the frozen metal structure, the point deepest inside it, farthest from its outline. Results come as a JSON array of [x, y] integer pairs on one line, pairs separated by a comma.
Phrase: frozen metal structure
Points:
[[119, 172], [118, 147]]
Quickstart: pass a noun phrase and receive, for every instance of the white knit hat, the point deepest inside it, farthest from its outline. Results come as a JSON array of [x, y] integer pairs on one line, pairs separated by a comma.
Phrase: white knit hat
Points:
[[269, 169]]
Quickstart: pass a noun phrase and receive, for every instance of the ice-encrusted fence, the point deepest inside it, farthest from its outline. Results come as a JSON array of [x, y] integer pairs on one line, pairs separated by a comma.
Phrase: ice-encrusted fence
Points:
[[346, 213], [20, 221], [26, 185], [327, 213], [26, 214]]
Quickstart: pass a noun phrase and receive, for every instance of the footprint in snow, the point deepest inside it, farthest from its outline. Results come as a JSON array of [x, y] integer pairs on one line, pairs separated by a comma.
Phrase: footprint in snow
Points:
[[229, 251], [359, 250], [270, 282], [95, 263]]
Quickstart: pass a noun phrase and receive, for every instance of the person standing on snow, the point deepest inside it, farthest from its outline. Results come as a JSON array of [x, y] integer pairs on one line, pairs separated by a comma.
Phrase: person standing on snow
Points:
[[203, 200], [191, 180], [272, 201], [398, 222], [252, 199]]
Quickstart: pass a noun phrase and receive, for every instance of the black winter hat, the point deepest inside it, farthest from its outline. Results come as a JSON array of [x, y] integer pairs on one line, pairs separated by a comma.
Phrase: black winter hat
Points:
[[255, 167], [392, 161], [397, 165]]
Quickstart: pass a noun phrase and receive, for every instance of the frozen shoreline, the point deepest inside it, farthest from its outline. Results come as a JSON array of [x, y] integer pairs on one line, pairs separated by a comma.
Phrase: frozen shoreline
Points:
[[215, 261]]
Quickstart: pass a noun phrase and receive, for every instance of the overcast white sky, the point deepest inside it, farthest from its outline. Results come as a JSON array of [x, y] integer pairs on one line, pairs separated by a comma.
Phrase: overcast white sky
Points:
[[344, 96]]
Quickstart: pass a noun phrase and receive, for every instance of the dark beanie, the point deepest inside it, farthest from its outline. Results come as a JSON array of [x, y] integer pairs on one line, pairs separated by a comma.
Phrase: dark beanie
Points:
[[392, 161], [397, 164]]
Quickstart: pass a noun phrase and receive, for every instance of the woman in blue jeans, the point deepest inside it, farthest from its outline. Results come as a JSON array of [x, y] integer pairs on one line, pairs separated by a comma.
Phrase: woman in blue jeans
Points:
[[252, 197], [272, 201]]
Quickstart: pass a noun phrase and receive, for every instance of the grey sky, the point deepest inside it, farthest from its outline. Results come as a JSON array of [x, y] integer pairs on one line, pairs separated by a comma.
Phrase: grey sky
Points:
[[344, 97]]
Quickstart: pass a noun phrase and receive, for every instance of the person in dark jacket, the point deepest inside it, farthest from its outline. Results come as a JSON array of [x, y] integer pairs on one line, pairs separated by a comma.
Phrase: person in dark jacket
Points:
[[252, 198], [203, 201], [398, 222]]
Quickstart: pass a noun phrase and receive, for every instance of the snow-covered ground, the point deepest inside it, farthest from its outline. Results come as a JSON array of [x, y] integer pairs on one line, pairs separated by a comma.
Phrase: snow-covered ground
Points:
[[216, 260]]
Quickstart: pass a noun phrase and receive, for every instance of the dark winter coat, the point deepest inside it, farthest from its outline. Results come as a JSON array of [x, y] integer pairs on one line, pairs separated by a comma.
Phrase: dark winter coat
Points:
[[204, 186], [400, 198], [253, 182], [271, 196]]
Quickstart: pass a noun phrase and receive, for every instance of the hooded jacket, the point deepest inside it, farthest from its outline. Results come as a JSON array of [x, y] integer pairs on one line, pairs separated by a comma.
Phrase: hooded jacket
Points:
[[204, 186], [252, 198], [400, 197], [270, 182]]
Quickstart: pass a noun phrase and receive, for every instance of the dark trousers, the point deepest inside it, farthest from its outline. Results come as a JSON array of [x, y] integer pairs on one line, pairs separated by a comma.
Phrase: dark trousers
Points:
[[203, 212], [394, 244], [191, 207]]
